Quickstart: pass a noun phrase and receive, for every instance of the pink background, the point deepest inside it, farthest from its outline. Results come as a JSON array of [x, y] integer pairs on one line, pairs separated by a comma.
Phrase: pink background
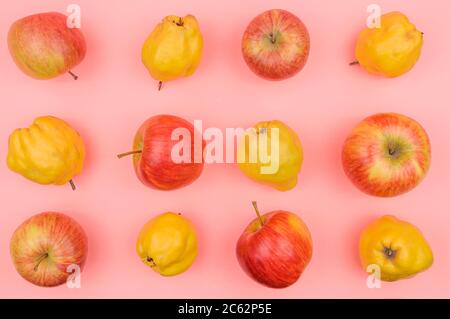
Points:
[[114, 95]]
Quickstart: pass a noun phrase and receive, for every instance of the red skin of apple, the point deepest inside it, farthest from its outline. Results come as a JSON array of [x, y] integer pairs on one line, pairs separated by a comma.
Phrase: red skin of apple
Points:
[[276, 45], [44, 246], [154, 166], [277, 253], [43, 47], [387, 155]]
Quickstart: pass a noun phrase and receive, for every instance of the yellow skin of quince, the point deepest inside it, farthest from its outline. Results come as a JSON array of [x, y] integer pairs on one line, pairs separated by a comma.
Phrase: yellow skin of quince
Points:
[[50, 151], [391, 50], [168, 244], [173, 49], [289, 162], [396, 246]]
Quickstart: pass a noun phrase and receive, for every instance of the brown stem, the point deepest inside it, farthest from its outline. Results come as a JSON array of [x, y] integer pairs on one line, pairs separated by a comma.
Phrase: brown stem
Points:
[[72, 184], [180, 22], [75, 77], [272, 38], [255, 206], [353, 63], [129, 153], [151, 261], [40, 259], [160, 85]]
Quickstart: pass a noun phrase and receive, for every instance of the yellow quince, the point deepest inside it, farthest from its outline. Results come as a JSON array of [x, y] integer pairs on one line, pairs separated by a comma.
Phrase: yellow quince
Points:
[[396, 247], [168, 244], [271, 153], [391, 50], [50, 151], [173, 49]]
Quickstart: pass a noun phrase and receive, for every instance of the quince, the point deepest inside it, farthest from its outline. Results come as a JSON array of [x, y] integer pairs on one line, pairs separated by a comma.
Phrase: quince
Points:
[[396, 246], [173, 49], [168, 244], [271, 159], [391, 50], [50, 151]]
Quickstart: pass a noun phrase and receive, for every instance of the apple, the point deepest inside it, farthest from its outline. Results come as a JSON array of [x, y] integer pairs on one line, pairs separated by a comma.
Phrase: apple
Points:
[[45, 246], [275, 248], [276, 45], [153, 148], [43, 46], [387, 155]]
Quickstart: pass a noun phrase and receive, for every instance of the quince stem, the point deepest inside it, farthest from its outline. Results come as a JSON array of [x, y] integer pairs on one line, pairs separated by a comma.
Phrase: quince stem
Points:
[[72, 184], [160, 85], [180, 22], [255, 206], [354, 63], [75, 77], [129, 153]]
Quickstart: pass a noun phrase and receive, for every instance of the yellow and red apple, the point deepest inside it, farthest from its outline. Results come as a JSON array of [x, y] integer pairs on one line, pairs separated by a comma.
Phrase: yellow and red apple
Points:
[[275, 248], [387, 154], [45, 246], [44, 47], [276, 45]]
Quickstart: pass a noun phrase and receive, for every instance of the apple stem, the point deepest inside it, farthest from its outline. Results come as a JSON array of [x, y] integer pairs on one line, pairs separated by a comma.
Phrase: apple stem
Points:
[[72, 184], [128, 153], [255, 206], [354, 63], [160, 85], [75, 77], [40, 259]]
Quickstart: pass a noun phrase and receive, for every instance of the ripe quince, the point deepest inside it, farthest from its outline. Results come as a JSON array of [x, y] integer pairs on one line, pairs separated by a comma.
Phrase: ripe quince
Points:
[[396, 246], [168, 244], [391, 50], [283, 162], [173, 49], [50, 151]]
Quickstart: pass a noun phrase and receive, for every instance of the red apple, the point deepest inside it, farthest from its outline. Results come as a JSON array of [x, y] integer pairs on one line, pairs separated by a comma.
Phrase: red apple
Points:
[[43, 46], [275, 248], [387, 155], [152, 153], [276, 45], [44, 246]]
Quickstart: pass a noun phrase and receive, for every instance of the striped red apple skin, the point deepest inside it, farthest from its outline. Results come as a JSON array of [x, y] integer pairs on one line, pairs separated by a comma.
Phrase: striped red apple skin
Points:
[[45, 245], [387, 154], [154, 165], [276, 253]]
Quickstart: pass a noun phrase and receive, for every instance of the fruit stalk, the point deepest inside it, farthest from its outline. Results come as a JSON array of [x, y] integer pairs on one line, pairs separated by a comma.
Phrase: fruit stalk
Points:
[[255, 206], [75, 77], [129, 153], [40, 259]]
